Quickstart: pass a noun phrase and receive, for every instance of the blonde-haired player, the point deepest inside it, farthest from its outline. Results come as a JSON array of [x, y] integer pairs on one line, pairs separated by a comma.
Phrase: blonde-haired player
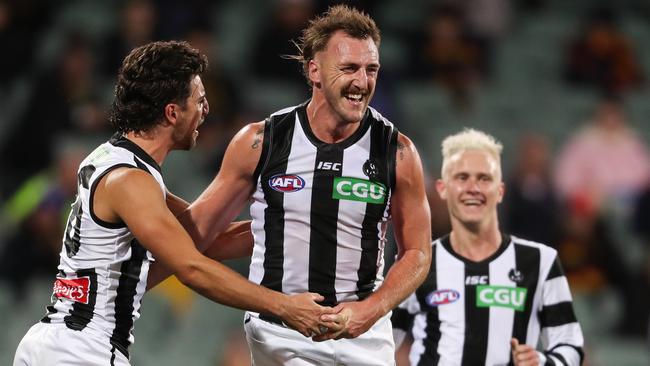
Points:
[[489, 297]]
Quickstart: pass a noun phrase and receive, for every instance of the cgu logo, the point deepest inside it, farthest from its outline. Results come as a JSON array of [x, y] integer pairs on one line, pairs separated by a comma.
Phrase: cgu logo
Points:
[[501, 296], [286, 183], [442, 297], [353, 189]]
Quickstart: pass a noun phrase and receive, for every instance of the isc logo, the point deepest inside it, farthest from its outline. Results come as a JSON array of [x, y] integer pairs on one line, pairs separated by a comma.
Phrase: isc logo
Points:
[[286, 183], [326, 165], [476, 280], [442, 297]]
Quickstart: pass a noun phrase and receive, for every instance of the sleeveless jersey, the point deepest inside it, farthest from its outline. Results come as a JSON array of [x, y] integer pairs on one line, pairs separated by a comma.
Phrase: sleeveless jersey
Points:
[[102, 273], [320, 210], [466, 312]]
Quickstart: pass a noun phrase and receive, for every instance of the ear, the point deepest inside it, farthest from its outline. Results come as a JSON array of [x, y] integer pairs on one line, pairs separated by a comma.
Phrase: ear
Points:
[[171, 113], [314, 73], [502, 190], [441, 187]]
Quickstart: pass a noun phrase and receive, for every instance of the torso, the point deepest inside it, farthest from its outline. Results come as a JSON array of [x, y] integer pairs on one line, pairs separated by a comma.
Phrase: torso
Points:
[[320, 210]]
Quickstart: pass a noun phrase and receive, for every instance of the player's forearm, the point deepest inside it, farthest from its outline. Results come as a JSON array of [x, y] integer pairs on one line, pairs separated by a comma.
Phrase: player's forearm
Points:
[[225, 286], [235, 242], [404, 277]]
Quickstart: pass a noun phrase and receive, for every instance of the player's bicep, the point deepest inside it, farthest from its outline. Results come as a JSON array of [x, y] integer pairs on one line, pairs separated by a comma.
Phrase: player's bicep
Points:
[[138, 200], [409, 205], [227, 194]]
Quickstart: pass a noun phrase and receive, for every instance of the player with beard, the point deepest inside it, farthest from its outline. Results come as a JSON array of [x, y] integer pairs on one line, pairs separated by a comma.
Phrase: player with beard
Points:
[[120, 224], [325, 177]]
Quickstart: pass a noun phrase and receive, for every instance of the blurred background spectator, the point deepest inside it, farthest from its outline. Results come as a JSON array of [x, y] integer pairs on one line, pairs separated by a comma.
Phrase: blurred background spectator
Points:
[[602, 56], [530, 72]]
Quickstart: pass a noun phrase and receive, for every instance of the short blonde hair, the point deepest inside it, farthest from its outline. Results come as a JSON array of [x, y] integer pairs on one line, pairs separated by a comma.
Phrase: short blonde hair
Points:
[[470, 139]]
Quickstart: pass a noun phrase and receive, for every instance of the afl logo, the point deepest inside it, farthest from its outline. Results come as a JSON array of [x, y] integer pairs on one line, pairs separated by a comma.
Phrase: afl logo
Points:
[[286, 183], [442, 297]]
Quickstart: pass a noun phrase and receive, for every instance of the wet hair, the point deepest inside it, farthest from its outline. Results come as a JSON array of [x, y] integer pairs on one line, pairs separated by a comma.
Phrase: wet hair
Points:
[[469, 139], [151, 77], [353, 22]]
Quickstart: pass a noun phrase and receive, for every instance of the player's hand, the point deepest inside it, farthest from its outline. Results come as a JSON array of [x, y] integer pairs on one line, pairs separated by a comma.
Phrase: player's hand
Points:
[[350, 320], [302, 313], [523, 354]]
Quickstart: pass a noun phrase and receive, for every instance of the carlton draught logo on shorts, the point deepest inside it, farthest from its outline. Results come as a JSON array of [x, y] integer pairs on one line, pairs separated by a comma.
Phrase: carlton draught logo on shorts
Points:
[[75, 289], [501, 296], [353, 189]]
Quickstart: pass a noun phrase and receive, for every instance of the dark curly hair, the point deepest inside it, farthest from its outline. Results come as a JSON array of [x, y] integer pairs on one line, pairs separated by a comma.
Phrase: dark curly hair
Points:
[[151, 77], [314, 38]]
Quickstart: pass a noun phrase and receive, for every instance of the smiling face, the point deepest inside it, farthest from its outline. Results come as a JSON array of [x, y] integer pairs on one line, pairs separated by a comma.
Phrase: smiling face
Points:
[[472, 187], [191, 116], [345, 74]]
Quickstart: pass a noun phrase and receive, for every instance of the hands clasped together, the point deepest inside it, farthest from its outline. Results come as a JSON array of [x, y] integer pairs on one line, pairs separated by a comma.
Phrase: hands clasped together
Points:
[[321, 323]]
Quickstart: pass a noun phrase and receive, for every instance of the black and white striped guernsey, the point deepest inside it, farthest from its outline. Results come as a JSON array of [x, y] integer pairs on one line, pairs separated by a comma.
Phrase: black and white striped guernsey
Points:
[[465, 313], [102, 270], [320, 210]]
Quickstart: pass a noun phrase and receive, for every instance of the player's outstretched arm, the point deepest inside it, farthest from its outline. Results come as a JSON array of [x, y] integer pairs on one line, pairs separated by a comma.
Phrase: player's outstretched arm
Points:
[[126, 193], [412, 228], [230, 190]]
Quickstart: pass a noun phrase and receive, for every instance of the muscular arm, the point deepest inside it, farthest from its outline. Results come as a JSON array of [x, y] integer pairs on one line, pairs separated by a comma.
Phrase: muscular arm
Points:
[[412, 228], [227, 194], [124, 194], [236, 241]]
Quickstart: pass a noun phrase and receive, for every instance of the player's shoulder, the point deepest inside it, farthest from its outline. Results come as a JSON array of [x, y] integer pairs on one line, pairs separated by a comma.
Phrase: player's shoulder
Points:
[[543, 248]]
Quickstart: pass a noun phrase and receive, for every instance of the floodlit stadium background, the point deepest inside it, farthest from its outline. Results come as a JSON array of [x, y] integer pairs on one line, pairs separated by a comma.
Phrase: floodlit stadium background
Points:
[[511, 68]]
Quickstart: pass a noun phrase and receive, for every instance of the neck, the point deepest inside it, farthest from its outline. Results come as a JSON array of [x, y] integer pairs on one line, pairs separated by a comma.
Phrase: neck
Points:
[[324, 122], [475, 244], [152, 143]]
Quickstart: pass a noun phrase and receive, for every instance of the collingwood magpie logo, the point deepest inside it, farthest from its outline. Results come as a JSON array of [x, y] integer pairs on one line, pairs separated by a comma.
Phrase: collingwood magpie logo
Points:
[[370, 169], [515, 275]]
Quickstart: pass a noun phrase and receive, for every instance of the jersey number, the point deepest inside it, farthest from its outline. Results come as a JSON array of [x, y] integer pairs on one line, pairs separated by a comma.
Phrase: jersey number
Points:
[[73, 228]]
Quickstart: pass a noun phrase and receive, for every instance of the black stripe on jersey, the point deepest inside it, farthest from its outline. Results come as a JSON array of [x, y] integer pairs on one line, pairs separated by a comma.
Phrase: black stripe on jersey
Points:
[[274, 212], [91, 198], [125, 298], [367, 272], [577, 349], [559, 357], [120, 141], [402, 319], [112, 356], [140, 164], [527, 258], [50, 308], [556, 270], [557, 314], [430, 355], [392, 157], [81, 314], [477, 320], [324, 218], [73, 242], [267, 140]]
